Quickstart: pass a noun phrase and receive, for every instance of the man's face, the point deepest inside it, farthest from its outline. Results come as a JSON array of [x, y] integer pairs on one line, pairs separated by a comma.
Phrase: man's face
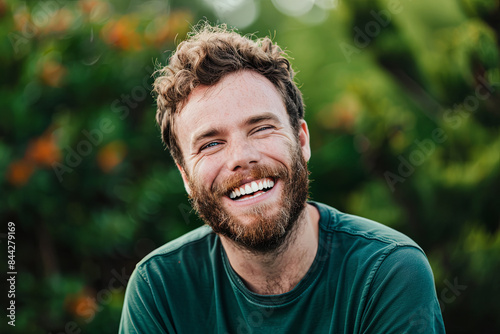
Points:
[[244, 166]]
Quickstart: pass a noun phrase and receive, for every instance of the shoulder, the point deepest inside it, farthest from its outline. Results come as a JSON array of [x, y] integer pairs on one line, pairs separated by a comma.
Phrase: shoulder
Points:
[[199, 235], [191, 250], [362, 229], [164, 278], [364, 246], [383, 270]]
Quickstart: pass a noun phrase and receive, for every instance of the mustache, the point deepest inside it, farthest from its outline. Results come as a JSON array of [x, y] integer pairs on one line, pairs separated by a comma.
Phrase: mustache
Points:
[[257, 172]]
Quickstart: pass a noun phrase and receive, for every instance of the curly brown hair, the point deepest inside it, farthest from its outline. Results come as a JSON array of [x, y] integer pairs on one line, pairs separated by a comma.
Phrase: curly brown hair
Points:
[[207, 55]]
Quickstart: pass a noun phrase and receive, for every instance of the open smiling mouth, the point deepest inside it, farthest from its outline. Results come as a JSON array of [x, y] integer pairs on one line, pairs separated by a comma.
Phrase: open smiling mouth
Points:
[[251, 189]]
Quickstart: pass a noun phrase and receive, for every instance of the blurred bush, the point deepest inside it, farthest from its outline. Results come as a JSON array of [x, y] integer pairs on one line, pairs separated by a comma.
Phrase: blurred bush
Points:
[[402, 103]]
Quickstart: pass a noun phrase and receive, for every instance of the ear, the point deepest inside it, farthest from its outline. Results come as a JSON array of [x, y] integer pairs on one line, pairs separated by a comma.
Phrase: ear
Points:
[[184, 179], [304, 140]]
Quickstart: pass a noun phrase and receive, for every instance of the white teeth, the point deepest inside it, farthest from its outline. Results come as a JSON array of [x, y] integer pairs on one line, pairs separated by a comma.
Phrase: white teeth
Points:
[[255, 187], [244, 199], [251, 188]]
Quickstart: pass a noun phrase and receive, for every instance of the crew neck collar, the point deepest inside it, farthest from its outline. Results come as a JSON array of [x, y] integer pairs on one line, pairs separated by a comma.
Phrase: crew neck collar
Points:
[[305, 284]]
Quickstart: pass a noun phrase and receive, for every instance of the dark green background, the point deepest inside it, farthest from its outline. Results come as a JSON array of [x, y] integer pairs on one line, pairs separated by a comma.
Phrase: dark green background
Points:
[[402, 103]]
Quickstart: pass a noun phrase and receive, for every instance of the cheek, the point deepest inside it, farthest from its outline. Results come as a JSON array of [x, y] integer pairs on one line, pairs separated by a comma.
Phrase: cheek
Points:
[[206, 172], [278, 151]]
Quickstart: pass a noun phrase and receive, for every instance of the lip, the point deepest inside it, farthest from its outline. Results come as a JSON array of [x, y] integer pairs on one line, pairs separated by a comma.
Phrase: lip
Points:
[[255, 200]]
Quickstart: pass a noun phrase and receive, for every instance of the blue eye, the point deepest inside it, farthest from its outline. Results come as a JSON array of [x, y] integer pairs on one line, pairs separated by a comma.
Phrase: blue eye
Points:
[[264, 128], [211, 144]]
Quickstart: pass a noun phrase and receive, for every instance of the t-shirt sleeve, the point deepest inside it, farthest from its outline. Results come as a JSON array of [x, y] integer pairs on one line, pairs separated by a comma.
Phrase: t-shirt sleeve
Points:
[[402, 297], [140, 314]]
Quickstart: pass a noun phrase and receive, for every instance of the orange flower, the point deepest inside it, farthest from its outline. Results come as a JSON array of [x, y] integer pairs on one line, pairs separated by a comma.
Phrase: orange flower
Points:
[[82, 304], [341, 115], [111, 156], [22, 21], [59, 22], [345, 118], [85, 307], [122, 34], [165, 28], [87, 6], [95, 10], [3, 8], [43, 151], [20, 172], [53, 73]]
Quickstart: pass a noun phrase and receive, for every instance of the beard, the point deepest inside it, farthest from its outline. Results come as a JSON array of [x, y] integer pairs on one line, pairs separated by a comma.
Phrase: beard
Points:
[[265, 233]]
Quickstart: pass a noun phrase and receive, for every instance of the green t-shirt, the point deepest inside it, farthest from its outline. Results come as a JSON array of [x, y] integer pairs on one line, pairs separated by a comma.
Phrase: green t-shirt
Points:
[[365, 278]]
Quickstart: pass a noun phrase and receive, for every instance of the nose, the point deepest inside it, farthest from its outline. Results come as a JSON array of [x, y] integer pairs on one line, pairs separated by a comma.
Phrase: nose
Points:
[[242, 154]]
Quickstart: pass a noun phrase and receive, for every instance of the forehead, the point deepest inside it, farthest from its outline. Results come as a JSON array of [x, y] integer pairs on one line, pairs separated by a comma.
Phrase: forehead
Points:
[[236, 97]]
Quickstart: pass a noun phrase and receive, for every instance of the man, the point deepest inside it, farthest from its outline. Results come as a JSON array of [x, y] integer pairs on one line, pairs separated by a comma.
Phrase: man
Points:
[[267, 261]]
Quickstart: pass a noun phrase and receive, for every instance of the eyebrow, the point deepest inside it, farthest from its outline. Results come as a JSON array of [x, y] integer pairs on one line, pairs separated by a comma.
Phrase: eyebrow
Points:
[[262, 117], [213, 132], [206, 134]]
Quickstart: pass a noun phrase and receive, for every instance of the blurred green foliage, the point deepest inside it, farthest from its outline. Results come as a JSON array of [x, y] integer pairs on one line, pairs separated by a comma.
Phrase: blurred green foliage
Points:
[[402, 103]]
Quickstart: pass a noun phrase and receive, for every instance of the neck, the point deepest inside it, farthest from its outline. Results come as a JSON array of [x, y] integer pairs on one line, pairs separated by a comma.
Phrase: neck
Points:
[[279, 271]]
